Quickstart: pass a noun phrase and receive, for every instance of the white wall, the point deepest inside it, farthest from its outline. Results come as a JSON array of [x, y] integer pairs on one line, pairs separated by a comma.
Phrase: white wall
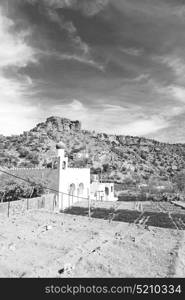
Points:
[[100, 190], [77, 177]]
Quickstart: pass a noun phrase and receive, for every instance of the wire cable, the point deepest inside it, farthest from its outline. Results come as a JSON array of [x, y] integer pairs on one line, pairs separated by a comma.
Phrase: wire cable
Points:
[[46, 188]]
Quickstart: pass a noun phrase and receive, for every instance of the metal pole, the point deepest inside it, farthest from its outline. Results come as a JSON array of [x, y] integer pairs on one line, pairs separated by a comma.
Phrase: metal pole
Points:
[[8, 209], [32, 190], [53, 203], [61, 205], [89, 207]]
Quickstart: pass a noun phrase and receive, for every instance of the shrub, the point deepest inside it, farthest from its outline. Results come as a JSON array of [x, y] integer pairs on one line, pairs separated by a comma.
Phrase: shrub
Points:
[[14, 189], [33, 158], [179, 181], [23, 152]]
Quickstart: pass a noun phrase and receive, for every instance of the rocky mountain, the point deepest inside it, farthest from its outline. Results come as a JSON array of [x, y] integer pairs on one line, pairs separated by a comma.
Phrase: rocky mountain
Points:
[[57, 124], [116, 157]]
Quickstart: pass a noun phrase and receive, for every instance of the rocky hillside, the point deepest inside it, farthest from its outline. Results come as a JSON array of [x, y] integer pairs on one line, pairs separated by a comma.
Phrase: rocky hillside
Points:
[[114, 156]]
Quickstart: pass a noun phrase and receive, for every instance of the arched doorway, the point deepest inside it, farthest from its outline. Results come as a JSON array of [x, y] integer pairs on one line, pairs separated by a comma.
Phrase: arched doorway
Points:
[[106, 193], [80, 191], [72, 189]]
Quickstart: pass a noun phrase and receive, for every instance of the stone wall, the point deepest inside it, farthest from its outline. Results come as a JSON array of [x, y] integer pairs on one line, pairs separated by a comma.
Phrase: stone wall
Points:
[[47, 202]]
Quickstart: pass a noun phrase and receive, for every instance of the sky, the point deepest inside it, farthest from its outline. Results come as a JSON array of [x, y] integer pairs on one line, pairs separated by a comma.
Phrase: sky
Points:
[[118, 66]]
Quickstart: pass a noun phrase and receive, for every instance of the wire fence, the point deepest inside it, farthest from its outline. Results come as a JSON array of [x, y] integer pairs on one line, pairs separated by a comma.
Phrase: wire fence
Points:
[[163, 219], [54, 191], [20, 206], [45, 187]]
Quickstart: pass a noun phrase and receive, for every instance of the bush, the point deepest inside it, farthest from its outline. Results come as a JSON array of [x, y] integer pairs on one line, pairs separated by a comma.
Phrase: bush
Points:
[[179, 181], [33, 158], [8, 160], [23, 152], [13, 189], [106, 168]]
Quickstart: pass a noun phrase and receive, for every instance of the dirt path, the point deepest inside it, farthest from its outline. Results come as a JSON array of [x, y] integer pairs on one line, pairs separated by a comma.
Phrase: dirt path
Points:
[[43, 244], [179, 266]]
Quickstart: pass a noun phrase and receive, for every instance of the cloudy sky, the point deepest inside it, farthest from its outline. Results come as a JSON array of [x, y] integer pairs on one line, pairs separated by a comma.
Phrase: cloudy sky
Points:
[[116, 65]]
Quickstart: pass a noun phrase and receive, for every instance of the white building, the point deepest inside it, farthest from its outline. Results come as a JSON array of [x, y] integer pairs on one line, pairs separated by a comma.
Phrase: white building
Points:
[[74, 183], [102, 191]]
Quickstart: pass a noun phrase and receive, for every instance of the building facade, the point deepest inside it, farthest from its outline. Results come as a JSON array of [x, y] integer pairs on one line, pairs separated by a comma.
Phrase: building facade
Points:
[[73, 183], [102, 191]]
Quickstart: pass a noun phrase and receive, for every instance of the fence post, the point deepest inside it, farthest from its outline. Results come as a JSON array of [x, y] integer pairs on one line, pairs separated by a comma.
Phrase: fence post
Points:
[[61, 202], [32, 190], [89, 207], [8, 208], [2, 197], [53, 203], [27, 203]]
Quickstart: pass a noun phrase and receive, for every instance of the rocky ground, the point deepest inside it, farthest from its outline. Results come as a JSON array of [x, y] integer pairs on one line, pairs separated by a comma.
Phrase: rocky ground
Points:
[[43, 244], [121, 158]]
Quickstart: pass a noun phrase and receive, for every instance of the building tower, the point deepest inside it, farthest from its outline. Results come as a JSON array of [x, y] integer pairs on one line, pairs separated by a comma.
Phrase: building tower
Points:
[[62, 168], [62, 159]]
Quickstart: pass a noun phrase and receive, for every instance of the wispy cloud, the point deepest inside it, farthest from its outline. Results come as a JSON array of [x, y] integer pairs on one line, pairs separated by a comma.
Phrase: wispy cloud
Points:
[[132, 51], [71, 30], [83, 60], [80, 51], [175, 62], [123, 62], [86, 7], [178, 92], [14, 52], [144, 127], [111, 118]]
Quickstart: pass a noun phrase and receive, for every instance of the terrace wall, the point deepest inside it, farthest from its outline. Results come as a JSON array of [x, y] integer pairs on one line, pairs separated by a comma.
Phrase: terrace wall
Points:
[[49, 175], [47, 202]]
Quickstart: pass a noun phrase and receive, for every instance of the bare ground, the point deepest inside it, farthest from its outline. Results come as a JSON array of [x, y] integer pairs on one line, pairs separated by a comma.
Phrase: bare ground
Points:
[[75, 246]]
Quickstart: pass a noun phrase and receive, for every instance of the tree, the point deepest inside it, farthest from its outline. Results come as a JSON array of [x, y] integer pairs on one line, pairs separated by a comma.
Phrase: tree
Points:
[[179, 181], [33, 157], [23, 152], [106, 167]]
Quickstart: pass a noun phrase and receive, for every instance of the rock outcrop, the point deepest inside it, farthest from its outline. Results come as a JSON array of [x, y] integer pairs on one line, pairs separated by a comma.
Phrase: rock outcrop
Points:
[[58, 124]]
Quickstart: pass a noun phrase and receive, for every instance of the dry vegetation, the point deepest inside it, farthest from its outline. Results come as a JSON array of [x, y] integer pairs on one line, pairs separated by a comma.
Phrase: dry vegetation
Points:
[[41, 244], [122, 158], [128, 161]]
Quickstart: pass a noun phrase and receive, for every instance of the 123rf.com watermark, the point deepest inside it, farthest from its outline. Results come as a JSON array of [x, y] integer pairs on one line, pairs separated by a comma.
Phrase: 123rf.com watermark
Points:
[[98, 289]]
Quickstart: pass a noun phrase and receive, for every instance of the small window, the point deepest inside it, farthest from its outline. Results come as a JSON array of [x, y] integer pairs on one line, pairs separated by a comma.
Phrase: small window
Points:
[[111, 189], [63, 165]]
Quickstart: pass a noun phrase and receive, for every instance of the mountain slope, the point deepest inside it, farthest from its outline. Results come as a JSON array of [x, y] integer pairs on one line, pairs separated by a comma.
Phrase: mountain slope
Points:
[[119, 157]]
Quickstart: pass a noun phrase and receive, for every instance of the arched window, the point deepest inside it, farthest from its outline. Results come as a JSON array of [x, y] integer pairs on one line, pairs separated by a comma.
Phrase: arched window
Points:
[[72, 189], [81, 188], [106, 191]]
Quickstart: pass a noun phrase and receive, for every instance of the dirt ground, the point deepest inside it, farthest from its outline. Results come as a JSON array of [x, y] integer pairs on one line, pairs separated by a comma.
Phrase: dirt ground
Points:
[[44, 244]]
